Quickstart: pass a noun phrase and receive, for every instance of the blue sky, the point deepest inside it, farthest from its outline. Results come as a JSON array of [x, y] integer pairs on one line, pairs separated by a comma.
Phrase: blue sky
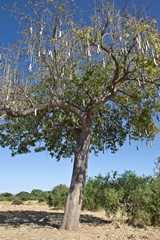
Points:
[[40, 171]]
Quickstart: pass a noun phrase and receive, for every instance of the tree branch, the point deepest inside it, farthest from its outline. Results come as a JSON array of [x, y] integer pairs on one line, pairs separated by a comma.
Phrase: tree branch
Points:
[[52, 104], [2, 116]]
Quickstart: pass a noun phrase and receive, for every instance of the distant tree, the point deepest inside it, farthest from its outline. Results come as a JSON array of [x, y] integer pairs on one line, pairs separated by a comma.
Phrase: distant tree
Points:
[[73, 87], [24, 196], [36, 193], [39, 195], [7, 196]]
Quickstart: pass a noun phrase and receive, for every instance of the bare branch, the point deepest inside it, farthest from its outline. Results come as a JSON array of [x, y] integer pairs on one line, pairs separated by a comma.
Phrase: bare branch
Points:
[[2, 116]]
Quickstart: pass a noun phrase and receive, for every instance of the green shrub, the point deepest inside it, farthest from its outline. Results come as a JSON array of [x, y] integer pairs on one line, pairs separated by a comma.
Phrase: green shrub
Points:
[[138, 203], [24, 196], [39, 195], [101, 193], [17, 202], [7, 196], [154, 206], [135, 192], [42, 199], [136, 196], [2, 198], [111, 202], [36, 194], [94, 193], [58, 196]]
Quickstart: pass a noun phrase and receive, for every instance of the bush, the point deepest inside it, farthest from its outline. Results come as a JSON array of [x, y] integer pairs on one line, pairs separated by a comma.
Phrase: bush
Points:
[[2, 198], [111, 202], [136, 196], [100, 193], [36, 194], [42, 199], [137, 205], [7, 196], [58, 196], [39, 195], [24, 196], [92, 194], [154, 205], [17, 202], [135, 192]]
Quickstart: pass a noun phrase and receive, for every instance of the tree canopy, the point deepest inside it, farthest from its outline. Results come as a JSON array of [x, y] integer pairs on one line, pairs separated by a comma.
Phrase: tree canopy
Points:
[[106, 70]]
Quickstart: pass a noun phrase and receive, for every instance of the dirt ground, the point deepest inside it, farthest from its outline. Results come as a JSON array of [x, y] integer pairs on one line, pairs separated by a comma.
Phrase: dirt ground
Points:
[[39, 222]]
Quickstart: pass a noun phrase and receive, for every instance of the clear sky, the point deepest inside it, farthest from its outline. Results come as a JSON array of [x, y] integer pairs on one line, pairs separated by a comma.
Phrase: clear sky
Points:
[[40, 171]]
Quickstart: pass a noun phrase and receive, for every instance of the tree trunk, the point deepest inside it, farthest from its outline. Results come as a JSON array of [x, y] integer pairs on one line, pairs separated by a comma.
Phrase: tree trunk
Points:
[[80, 168]]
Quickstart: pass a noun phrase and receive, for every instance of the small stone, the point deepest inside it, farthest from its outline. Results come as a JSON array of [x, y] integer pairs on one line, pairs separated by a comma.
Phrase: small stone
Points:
[[41, 220]]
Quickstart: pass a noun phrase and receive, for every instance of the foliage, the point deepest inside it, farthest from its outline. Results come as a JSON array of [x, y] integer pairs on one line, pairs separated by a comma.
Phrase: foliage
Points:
[[43, 199], [111, 201], [73, 87], [39, 195], [36, 194], [2, 198], [58, 196], [154, 206], [24, 196], [101, 193], [17, 201], [106, 72], [138, 197], [93, 193], [6, 196]]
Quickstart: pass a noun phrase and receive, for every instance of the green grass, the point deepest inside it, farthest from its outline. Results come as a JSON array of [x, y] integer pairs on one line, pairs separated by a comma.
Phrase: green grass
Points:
[[5, 202]]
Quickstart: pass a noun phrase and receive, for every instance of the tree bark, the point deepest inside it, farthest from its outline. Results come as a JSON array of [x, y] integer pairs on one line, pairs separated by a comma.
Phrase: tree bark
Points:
[[80, 169]]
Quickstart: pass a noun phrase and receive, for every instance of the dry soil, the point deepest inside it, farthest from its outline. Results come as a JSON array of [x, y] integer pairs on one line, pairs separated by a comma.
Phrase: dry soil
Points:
[[39, 222]]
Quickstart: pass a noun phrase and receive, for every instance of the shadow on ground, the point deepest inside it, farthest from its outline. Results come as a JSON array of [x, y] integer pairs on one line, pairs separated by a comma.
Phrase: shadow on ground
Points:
[[49, 219]]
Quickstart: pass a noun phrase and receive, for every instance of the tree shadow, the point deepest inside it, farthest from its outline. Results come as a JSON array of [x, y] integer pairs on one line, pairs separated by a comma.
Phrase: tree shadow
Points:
[[43, 219], [92, 220], [39, 218]]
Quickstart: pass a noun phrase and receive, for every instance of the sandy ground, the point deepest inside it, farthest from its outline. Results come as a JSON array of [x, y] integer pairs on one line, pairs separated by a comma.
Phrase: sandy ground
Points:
[[39, 222]]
